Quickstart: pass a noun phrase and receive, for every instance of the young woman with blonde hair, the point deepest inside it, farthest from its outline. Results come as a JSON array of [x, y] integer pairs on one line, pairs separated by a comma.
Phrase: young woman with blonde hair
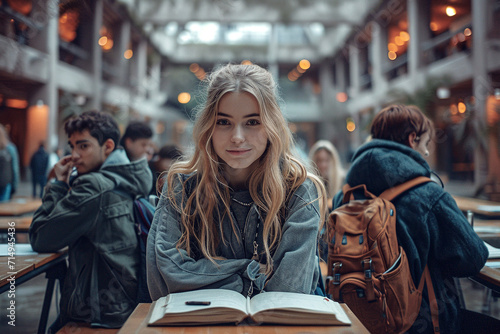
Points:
[[326, 159], [242, 213]]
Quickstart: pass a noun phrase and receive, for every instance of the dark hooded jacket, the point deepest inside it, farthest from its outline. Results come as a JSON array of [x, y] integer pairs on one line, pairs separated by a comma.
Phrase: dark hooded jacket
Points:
[[98, 226], [430, 227]]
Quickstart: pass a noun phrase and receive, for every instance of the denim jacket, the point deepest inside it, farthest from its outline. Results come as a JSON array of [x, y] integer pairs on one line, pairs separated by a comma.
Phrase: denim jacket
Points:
[[295, 262]]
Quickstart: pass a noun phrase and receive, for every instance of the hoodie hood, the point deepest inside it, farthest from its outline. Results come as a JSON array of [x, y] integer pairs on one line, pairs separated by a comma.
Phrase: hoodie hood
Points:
[[133, 177], [382, 164]]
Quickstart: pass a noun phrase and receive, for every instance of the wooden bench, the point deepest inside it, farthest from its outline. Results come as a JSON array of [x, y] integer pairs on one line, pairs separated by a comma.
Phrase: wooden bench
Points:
[[19, 206], [81, 328], [484, 208]]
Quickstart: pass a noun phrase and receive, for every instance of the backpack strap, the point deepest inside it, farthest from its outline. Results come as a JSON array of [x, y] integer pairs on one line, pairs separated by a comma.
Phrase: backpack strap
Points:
[[394, 192], [426, 278], [348, 192]]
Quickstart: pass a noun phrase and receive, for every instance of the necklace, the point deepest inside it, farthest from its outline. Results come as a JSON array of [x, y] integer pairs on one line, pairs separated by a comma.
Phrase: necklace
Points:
[[241, 203]]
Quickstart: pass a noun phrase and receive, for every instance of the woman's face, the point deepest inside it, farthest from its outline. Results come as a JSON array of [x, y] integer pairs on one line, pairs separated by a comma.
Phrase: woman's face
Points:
[[239, 137], [323, 160]]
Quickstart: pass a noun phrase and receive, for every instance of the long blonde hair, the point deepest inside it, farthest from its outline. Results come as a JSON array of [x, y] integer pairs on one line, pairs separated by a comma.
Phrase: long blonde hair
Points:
[[271, 183], [336, 173]]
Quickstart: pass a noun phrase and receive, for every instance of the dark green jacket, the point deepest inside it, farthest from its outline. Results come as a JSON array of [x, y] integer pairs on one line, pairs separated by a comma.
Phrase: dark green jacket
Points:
[[430, 227], [97, 224]]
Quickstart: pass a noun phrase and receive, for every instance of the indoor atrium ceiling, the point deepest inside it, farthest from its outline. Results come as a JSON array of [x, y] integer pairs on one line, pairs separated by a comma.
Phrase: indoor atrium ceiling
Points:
[[267, 31]]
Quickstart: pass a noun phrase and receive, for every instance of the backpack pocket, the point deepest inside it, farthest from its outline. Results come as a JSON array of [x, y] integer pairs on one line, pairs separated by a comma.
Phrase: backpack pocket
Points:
[[402, 297]]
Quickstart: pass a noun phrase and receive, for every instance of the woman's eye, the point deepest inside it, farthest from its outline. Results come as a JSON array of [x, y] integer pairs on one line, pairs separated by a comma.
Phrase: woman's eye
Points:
[[222, 122], [253, 122]]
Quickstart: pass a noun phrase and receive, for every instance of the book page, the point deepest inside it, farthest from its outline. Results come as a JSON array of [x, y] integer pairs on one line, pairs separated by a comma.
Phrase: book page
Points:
[[296, 308], [494, 253], [223, 304]]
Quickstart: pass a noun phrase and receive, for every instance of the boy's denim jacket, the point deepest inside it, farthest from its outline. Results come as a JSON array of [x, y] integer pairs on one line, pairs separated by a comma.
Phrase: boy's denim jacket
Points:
[[295, 262]]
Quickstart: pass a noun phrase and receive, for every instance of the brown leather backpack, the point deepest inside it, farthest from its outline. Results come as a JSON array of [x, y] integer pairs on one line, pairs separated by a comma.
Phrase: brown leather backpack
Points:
[[367, 269]]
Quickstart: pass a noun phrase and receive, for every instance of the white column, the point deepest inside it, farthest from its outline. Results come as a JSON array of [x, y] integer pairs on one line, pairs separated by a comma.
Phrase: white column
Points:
[[354, 70], [418, 27], [47, 41], [122, 46], [141, 63], [96, 57], [480, 82], [379, 57]]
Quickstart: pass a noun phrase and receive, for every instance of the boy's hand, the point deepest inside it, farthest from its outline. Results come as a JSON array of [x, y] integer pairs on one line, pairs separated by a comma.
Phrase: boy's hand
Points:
[[63, 168]]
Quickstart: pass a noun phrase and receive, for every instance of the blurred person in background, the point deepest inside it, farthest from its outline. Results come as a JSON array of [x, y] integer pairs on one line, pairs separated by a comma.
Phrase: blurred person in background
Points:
[[137, 141], [12, 149], [161, 163], [6, 168], [38, 164], [326, 159]]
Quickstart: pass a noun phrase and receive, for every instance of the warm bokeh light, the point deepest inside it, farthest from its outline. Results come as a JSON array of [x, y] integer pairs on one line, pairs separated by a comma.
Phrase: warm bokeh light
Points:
[[300, 69], [451, 11], [404, 36], [392, 55], [108, 46], [184, 97], [399, 41], [22, 6], [350, 126], [246, 62], [103, 40], [341, 97], [16, 103], [292, 76], [128, 54], [467, 32], [194, 67], [392, 47], [106, 39], [304, 64], [461, 107], [198, 71], [68, 24], [433, 26]]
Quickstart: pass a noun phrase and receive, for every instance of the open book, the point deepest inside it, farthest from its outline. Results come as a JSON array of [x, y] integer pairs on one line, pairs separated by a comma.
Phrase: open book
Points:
[[494, 253], [217, 306]]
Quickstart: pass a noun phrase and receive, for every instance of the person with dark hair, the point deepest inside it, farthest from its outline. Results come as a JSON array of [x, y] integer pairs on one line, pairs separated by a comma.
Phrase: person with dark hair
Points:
[[38, 164], [429, 225], [90, 214], [137, 141], [160, 164]]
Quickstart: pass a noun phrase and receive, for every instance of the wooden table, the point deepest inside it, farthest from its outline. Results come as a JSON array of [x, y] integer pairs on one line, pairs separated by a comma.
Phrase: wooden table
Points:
[[489, 277], [488, 209], [19, 206], [137, 323], [22, 223], [22, 268]]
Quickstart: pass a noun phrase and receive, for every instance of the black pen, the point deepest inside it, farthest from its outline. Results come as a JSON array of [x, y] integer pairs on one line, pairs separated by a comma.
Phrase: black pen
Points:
[[194, 302]]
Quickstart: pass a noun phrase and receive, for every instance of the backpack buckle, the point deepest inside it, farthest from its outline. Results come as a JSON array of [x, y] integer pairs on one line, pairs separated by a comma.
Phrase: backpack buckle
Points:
[[368, 270], [336, 272]]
